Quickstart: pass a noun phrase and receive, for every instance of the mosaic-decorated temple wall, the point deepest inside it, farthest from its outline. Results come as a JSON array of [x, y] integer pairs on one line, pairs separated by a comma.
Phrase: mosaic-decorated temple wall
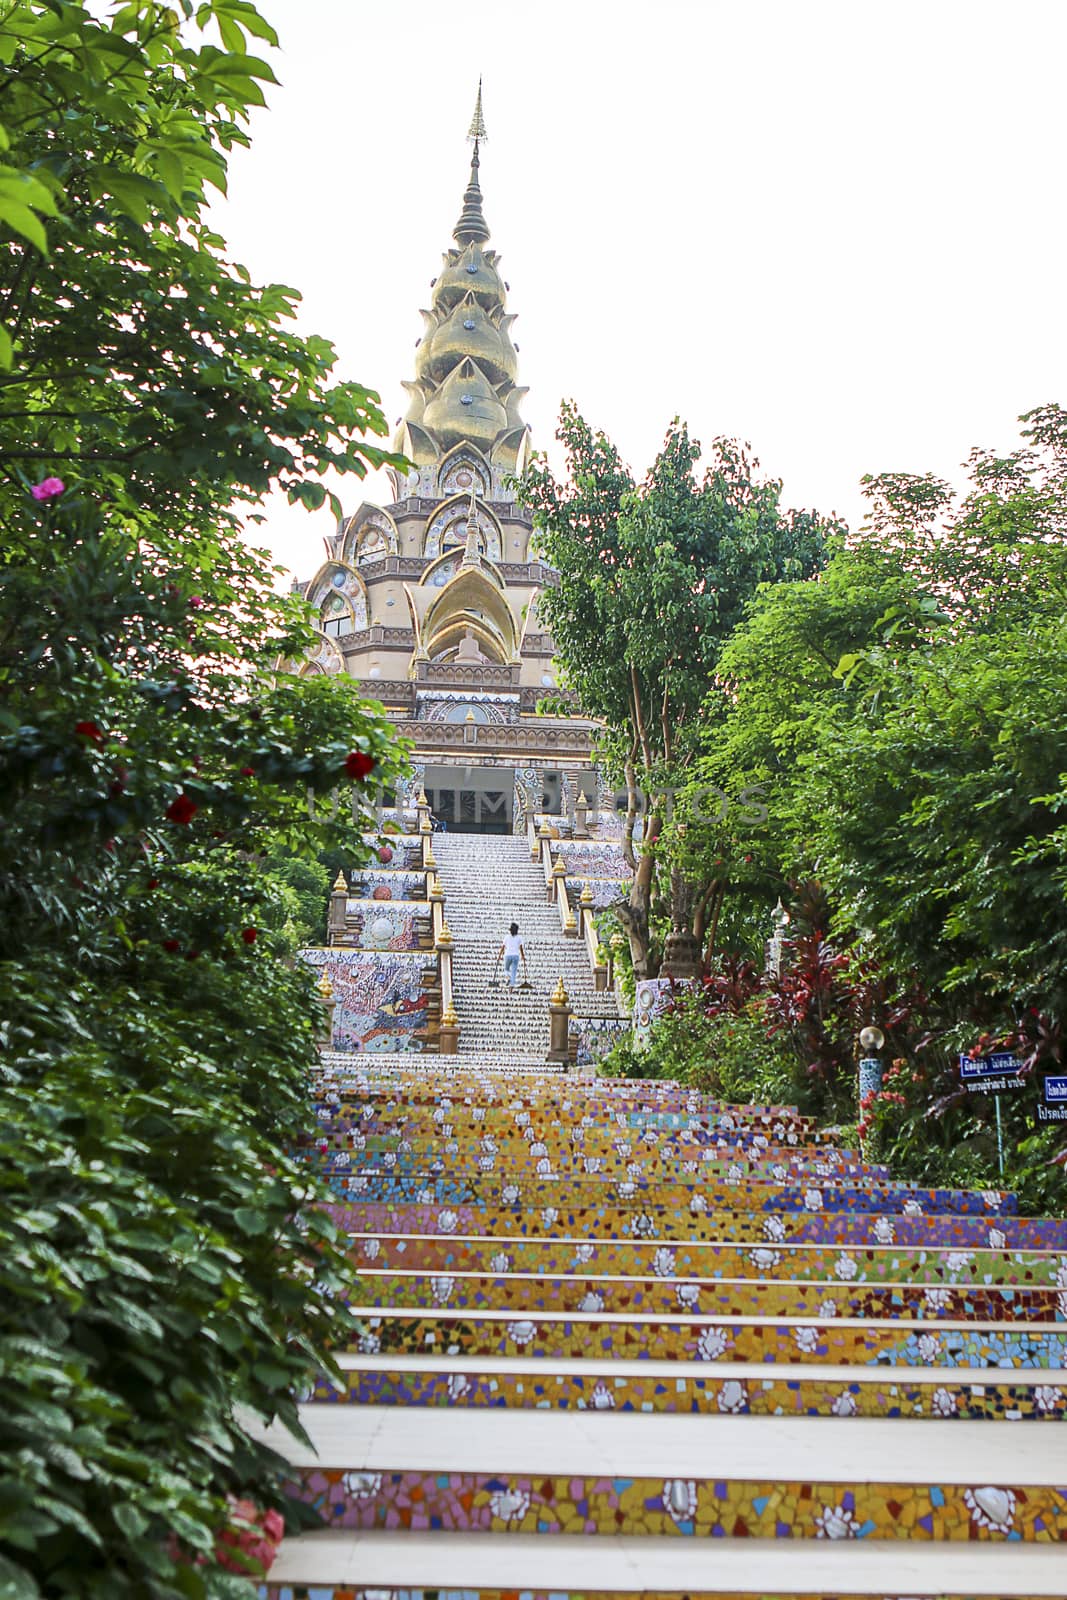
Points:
[[380, 994]]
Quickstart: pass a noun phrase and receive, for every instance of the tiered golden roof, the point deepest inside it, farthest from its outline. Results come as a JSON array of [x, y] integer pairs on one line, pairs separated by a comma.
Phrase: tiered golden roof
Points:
[[465, 369]]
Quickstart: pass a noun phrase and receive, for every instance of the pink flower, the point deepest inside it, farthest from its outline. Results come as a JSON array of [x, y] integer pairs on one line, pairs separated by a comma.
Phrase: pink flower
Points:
[[48, 489]]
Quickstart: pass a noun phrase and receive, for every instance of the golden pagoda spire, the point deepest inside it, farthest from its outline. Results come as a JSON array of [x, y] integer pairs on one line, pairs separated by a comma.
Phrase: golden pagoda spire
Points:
[[477, 129], [465, 365], [472, 227]]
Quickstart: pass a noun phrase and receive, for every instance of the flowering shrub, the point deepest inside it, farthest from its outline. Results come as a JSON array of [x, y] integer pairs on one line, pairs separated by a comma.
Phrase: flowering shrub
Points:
[[164, 1271]]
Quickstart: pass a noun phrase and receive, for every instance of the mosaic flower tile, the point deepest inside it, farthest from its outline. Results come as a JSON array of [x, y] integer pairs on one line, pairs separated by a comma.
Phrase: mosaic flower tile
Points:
[[701, 1508]]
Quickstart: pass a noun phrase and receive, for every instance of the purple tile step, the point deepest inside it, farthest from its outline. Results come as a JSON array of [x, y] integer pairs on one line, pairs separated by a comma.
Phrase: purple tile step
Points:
[[616, 1221], [667, 1295]]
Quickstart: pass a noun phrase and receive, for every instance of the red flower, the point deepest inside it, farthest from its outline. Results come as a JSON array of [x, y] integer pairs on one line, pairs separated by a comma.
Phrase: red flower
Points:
[[153, 883], [89, 730], [171, 946], [359, 765], [249, 935], [248, 772], [182, 810], [195, 602], [192, 955]]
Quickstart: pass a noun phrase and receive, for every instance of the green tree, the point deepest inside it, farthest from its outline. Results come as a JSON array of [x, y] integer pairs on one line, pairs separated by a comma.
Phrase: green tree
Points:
[[652, 579], [164, 1266], [907, 713]]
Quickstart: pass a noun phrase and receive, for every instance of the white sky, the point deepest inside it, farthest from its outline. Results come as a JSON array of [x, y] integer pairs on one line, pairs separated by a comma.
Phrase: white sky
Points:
[[834, 228]]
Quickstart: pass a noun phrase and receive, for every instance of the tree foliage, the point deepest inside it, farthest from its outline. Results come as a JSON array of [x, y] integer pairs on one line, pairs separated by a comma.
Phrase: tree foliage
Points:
[[906, 713], [652, 580], [164, 1270]]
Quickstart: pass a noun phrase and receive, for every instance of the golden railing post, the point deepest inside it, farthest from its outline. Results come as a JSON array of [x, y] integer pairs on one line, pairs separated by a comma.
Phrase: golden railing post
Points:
[[559, 1016], [328, 1001], [338, 915]]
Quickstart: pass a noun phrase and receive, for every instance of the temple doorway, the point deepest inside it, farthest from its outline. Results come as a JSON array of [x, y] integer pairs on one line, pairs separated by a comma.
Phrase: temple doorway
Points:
[[472, 799]]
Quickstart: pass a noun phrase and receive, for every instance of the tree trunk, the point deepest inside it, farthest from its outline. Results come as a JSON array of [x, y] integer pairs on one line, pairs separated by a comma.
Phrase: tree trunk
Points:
[[631, 818], [634, 916]]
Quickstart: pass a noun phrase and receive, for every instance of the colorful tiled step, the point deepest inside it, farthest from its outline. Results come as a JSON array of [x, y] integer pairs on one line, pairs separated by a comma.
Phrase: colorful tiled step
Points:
[[794, 1262], [733, 1389], [667, 1295], [599, 1474], [620, 1221], [843, 1341]]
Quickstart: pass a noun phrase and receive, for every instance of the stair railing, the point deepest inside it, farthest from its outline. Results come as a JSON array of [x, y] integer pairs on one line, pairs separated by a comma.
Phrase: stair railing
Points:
[[443, 943], [556, 885]]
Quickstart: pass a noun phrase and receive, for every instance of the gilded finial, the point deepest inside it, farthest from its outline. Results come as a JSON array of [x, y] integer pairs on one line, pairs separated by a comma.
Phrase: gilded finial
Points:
[[472, 227], [449, 1017], [444, 938], [339, 884], [587, 896], [560, 997], [325, 986], [477, 129]]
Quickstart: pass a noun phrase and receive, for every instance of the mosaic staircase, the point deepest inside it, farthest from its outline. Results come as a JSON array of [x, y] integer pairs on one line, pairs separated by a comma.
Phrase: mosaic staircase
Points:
[[490, 882], [679, 1337]]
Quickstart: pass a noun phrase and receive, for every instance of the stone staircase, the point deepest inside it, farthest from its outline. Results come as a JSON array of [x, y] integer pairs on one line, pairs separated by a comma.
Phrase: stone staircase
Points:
[[707, 1351], [490, 882]]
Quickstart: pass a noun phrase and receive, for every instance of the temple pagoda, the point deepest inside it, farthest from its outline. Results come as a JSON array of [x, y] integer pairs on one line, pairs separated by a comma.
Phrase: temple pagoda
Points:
[[430, 603]]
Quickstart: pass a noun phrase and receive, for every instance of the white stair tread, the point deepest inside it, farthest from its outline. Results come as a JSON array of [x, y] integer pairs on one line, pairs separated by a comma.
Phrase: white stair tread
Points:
[[612, 1444], [755, 1372], [565, 1563]]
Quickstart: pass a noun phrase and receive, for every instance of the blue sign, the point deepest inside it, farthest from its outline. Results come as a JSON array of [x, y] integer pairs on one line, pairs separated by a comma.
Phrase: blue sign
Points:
[[996, 1074], [1055, 1091], [995, 1066]]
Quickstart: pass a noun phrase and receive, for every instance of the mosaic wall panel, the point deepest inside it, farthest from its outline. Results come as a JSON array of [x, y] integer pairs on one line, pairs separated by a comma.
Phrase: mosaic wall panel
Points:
[[385, 884], [380, 1000], [605, 891], [405, 851], [389, 925], [594, 859], [594, 1036], [651, 998], [466, 1502]]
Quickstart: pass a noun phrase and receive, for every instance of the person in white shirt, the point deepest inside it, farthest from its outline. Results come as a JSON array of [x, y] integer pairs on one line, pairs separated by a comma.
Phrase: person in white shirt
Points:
[[511, 950]]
